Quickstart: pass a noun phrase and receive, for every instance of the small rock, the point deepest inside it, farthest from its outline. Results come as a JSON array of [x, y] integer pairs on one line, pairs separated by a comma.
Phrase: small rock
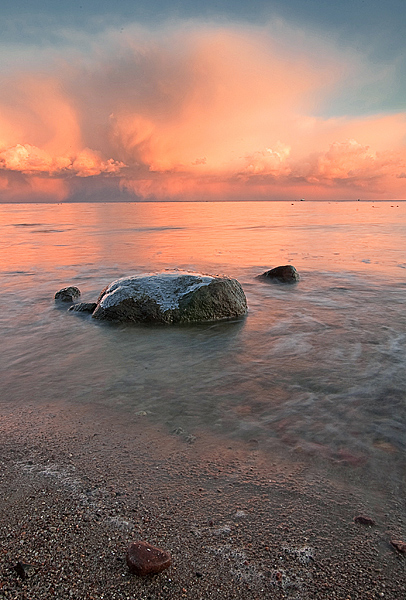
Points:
[[145, 559], [364, 520], [24, 570], [283, 274], [178, 431], [399, 545], [67, 294], [84, 307]]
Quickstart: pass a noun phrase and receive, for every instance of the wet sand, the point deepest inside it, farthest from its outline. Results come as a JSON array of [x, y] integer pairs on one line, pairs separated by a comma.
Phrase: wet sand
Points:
[[77, 485]]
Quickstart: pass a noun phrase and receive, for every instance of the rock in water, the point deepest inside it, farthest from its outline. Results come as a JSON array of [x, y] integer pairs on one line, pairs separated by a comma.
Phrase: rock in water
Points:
[[87, 307], [67, 294], [283, 274], [144, 559], [171, 298]]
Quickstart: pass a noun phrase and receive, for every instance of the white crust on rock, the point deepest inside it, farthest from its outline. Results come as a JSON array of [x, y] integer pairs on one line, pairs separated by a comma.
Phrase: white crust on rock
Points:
[[167, 289]]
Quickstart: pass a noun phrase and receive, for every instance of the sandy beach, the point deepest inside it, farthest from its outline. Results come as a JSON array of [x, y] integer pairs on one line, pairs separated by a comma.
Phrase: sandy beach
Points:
[[77, 486]]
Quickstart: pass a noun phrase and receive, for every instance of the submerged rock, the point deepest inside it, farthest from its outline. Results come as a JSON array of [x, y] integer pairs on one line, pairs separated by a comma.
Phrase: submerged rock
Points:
[[171, 298], [87, 307], [145, 559], [283, 274], [68, 294]]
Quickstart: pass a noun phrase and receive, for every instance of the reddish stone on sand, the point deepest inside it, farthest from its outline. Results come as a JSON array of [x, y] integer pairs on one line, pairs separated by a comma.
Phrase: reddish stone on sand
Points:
[[144, 559], [364, 520], [399, 545]]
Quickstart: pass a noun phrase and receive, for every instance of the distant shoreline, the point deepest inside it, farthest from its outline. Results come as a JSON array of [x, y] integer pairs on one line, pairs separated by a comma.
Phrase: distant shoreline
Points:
[[293, 201]]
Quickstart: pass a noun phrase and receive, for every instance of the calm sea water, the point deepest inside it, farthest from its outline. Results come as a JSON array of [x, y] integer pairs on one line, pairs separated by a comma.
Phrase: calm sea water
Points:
[[317, 368]]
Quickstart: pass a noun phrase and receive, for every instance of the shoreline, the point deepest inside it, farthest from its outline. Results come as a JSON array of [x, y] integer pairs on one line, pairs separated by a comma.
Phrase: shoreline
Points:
[[78, 484]]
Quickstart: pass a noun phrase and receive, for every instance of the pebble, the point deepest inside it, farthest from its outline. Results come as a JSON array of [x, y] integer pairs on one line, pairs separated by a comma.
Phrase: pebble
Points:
[[364, 520], [145, 559], [399, 545]]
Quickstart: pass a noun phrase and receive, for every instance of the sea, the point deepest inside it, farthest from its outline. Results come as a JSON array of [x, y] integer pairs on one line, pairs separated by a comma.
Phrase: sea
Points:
[[315, 372]]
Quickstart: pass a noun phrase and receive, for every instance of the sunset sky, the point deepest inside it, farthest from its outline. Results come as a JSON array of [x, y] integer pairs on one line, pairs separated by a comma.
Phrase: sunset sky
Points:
[[214, 100]]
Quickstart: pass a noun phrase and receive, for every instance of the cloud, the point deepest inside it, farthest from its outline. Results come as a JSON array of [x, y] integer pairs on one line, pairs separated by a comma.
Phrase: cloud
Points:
[[29, 159], [192, 111], [269, 162], [89, 163], [351, 161]]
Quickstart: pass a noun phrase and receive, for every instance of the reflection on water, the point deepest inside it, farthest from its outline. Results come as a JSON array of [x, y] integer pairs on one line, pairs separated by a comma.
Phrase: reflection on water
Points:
[[317, 367], [222, 236]]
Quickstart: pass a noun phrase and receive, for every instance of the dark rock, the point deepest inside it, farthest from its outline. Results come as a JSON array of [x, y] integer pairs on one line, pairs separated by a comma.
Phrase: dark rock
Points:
[[102, 293], [145, 559], [283, 274], [24, 570], [364, 520], [68, 294], [171, 298], [87, 307], [399, 545]]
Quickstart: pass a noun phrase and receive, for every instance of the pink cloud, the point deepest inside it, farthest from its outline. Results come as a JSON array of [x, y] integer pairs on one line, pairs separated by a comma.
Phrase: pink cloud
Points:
[[89, 163], [196, 112], [29, 159]]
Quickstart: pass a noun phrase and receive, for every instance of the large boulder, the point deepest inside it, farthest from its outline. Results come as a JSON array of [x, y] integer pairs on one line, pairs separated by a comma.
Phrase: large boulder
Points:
[[283, 274], [171, 298]]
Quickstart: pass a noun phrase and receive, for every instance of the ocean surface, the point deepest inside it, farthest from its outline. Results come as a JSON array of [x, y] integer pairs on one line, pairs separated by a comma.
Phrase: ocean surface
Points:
[[316, 370]]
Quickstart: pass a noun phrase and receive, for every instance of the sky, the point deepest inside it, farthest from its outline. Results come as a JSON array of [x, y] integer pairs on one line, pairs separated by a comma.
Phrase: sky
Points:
[[184, 100]]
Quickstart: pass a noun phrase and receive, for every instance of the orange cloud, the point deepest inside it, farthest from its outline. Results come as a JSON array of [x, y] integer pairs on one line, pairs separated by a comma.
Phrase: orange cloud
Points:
[[352, 161], [197, 112], [89, 163], [36, 111], [40, 132], [30, 159], [235, 95]]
